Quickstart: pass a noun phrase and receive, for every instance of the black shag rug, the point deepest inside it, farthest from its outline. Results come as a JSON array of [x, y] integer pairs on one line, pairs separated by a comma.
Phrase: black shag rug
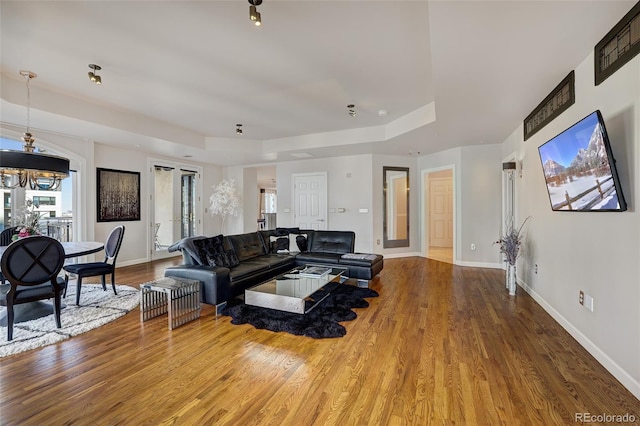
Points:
[[320, 323]]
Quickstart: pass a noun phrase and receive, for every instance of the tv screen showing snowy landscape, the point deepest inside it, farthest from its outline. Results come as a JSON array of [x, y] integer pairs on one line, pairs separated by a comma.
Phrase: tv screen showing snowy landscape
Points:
[[579, 169]]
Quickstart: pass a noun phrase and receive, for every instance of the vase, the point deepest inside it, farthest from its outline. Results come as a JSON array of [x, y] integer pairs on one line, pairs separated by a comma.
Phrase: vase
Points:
[[511, 279]]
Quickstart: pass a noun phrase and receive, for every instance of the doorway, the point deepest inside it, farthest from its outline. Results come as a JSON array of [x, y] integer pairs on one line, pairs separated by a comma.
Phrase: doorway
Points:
[[174, 205], [439, 215]]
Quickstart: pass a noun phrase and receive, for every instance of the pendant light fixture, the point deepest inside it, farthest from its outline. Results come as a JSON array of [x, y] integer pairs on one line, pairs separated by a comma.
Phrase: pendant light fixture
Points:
[[254, 15], [29, 168], [93, 76]]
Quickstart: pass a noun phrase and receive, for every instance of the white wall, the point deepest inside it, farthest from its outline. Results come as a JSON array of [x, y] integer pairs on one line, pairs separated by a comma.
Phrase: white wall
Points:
[[137, 240], [348, 186], [136, 235], [415, 241], [598, 253], [477, 174], [481, 206]]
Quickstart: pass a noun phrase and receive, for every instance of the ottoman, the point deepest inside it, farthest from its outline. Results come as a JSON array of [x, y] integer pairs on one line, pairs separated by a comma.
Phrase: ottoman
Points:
[[362, 266]]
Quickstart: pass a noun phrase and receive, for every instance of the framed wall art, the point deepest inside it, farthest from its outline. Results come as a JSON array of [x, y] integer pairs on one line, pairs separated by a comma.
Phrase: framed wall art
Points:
[[619, 46], [118, 195], [560, 98]]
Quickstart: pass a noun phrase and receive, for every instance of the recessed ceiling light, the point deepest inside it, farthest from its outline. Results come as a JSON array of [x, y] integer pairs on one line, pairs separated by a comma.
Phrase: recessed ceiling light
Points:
[[382, 113]]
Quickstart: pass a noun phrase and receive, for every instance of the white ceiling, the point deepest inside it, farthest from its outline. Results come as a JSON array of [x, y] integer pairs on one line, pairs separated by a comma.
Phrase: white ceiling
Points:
[[178, 75]]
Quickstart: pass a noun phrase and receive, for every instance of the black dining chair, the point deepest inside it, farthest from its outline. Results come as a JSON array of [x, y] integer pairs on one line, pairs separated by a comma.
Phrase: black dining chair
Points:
[[7, 234], [31, 265], [94, 269], [5, 239]]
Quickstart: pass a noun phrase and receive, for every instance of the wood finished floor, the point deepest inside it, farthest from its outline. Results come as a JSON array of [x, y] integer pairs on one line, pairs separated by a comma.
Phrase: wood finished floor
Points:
[[441, 345]]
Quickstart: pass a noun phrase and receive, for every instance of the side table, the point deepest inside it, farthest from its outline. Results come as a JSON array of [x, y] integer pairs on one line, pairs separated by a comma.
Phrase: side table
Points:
[[178, 297]]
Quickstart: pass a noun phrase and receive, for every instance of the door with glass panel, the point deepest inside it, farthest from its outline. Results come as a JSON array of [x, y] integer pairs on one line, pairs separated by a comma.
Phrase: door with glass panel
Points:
[[174, 206]]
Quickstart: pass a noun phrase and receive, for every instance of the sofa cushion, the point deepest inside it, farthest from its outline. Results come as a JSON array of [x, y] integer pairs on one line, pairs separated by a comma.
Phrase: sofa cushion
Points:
[[247, 245], [332, 242], [360, 259], [247, 268], [322, 258]]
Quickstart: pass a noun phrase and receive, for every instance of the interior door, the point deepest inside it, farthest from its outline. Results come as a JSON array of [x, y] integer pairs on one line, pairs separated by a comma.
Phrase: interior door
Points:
[[441, 212], [310, 201], [174, 206]]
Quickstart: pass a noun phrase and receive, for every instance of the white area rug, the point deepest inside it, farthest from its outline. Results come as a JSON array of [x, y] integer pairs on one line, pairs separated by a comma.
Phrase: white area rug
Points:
[[97, 308]]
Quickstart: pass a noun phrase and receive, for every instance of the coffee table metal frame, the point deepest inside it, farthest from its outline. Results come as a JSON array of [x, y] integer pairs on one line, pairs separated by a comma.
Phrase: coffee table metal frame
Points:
[[177, 297], [292, 292]]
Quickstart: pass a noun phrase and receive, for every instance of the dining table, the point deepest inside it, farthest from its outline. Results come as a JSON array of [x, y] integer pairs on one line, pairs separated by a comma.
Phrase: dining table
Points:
[[33, 310], [75, 248]]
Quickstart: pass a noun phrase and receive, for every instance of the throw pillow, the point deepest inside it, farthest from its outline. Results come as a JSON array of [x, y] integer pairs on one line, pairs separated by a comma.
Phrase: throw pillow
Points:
[[212, 252], [278, 244], [293, 242], [208, 248], [301, 241]]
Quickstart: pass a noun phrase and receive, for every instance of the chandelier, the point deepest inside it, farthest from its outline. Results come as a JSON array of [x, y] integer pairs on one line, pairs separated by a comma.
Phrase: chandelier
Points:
[[28, 168]]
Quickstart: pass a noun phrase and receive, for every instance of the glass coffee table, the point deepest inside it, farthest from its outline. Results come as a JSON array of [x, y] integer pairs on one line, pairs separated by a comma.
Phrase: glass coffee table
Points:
[[297, 291]]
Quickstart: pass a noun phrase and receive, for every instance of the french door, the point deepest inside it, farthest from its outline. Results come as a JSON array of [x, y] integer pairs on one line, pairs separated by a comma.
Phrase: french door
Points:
[[175, 205]]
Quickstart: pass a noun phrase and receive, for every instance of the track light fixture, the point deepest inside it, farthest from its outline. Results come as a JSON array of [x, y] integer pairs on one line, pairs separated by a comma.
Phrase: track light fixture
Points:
[[93, 76], [254, 15], [351, 108], [238, 129]]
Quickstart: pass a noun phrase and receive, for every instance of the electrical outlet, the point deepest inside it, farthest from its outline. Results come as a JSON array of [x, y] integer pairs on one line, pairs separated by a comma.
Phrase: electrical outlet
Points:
[[473, 246], [535, 269], [378, 242], [581, 297]]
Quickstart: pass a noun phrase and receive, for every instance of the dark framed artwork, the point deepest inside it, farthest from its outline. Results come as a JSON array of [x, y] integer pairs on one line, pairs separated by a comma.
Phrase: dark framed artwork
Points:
[[118, 195], [619, 46], [560, 98]]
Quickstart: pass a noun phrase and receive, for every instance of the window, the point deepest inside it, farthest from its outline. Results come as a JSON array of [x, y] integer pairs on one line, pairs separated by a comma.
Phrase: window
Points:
[[44, 201]]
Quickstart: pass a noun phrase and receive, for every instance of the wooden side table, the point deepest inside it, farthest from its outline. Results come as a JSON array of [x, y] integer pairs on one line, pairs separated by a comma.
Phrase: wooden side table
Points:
[[178, 297]]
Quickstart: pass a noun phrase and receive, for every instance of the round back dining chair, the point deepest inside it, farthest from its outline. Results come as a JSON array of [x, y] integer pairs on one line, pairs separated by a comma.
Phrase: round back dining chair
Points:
[[94, 269], [31, 265]]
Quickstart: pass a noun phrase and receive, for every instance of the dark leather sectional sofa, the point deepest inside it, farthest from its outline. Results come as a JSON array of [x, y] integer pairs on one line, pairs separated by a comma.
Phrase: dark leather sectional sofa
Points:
[[254, 258]]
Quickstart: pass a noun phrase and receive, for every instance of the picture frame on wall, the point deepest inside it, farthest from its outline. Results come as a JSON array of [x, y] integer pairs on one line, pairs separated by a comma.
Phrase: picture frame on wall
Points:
[[118, 195]]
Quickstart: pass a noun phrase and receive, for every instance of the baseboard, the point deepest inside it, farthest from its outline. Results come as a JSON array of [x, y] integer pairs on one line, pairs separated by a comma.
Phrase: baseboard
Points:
[[479, 264], [399, 255], [618, 372], [132, 262]]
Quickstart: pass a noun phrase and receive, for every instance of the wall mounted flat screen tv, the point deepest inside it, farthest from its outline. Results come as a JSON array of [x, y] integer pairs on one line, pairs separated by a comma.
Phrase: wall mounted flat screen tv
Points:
[[579, 169]]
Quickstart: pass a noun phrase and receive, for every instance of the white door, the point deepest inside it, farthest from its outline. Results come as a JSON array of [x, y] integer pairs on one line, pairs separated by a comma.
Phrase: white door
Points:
[[441, 212], [310, 201]]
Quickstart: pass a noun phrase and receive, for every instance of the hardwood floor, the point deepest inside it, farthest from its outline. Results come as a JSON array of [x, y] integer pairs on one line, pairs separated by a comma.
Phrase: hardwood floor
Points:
[[442, 254], [441, 345]]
